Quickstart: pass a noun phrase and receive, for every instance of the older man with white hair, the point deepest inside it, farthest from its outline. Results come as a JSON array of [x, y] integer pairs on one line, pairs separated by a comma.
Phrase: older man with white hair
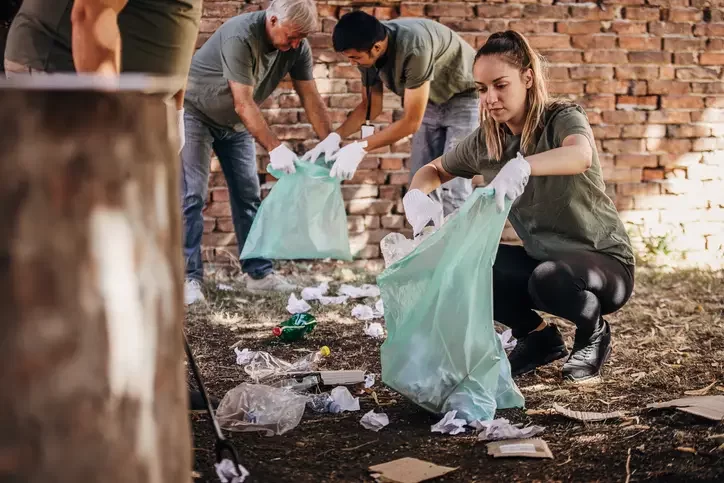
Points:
[[231, 75]]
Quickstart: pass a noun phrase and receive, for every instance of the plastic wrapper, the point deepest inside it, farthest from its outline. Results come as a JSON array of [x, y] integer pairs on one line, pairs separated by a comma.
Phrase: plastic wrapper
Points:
[[303, 217], [256, 407], [442, 351]]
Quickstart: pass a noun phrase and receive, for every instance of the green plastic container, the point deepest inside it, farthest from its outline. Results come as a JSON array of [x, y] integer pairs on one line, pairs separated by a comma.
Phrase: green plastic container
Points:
[[295, 327]]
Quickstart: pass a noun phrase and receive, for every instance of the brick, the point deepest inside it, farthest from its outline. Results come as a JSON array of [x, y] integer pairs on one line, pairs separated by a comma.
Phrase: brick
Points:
[[606, 87], [595, 41], [652, 131], [650, 174], [668, 201], [682, 102], [670, 3], [563, 56], [705, 144], [639, 42], [408, 9], [225, 225], [649, 57], [218, 239], [591, 72], [344, 72], [558, 73], [708, 115], [327, 56], [349, 101], [636, 160], [366, 176], [296, 131], [671, 146], [709, 29], [605, 57], [680, 160], [684, 44], [499, 11], [391, 163], [545, 11], [355, 224], [385, 13], [621, 175], [218, 209], [372, 221], [629, 28], [210, 25], [449, 9], [576, 28], [715, 44], [711, 58], [219, 194], [394, 222], [637, 102], [624, 203], [621, 146], [549, 41], [606, 132], [359, 191], [688, 131], [685, 15], [684, 58], [591, 11], [369, 207], [220, 10], [697, 73], [565, 87], [328, 25], [390, 192], [637, 72], [668, 87], [598, 101], [369, 252], [717, 101], [209, 224], [624, 117], [326, 10], [670, 28], [667, 72], [280, 116], [641, 13]]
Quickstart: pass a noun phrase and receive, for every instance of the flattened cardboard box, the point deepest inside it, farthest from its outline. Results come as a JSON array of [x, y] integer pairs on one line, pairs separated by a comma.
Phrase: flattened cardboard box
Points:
[[408, 470], [529, 448]]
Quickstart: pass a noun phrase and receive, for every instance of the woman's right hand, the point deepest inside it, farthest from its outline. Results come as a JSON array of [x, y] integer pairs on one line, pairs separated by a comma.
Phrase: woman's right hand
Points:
[[420, 210]]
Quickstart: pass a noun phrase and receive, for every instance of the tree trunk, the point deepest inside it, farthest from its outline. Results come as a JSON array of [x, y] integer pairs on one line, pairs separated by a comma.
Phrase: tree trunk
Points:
[[92, 382]]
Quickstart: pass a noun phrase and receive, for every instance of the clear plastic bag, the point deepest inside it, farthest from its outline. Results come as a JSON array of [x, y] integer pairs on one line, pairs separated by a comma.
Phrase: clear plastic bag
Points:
[[256, 407], [442, 351], [262, 366], [303, 217]]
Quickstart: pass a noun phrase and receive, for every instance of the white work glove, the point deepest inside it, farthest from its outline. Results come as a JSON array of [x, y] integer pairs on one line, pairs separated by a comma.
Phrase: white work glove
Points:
[[282, 159], [347, 159], [420, 209], [181, 129], [510, 181], [328, 147]]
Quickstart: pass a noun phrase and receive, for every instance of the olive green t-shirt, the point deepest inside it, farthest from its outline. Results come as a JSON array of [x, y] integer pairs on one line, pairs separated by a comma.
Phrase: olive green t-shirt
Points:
[[555, 214], [157, 36], [240, 51], [421, 50]]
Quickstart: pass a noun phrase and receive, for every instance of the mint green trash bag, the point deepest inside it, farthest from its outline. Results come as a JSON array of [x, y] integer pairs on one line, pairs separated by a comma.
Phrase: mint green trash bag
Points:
[[303, 217], [442, 351]]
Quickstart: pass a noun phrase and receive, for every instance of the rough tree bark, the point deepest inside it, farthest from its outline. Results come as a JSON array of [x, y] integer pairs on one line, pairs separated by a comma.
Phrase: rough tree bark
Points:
[[92, 386]]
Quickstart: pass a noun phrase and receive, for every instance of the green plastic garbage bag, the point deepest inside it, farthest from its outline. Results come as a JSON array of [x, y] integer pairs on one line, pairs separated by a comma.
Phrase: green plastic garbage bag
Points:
[[303, 217], [442, 351]]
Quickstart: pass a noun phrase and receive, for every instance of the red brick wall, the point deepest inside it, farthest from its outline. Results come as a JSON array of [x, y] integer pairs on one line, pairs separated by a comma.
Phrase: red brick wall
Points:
[[648, 72]]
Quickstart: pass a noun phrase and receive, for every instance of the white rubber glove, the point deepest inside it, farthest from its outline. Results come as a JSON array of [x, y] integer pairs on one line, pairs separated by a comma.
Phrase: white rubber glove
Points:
[[181, 129], [347, 159], [282, 159], [420, 209], [510, 181], [328, 147]]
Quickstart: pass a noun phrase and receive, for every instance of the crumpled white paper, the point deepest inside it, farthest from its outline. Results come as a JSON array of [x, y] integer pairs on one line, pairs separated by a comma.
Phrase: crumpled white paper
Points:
[[365, 312], [501, 428], [243, 357], [375, 330], [365, 290], [449, 425], [374, 421], [225, 287], [343, 400], [296, 306], [314, 293], [342, 299], [228, 474], [507, 339], [369, 380]]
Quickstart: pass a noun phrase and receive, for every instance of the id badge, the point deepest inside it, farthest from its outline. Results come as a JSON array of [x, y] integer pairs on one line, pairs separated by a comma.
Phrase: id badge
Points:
[[367, 130]]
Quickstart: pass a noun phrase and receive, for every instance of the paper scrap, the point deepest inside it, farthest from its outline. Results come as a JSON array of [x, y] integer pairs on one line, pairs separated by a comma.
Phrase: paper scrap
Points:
[[342, 299], [380, 307], [363, 312], [530, 448], [225, 287], [343, 400], [587, 416], [501, 428], [409, 470], [369, 381], [364, 291], [228, 474], [710, 407], [243, 357], [449, 425], [375, 330], [506, 338], [374, 421], [315, 293], [342, 377], [296, 306]]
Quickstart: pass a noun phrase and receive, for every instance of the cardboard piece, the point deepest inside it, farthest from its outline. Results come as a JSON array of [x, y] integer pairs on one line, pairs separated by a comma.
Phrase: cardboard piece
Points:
[[529, 448], [710, 407], [409, 470], [586, 416], [343, 378]]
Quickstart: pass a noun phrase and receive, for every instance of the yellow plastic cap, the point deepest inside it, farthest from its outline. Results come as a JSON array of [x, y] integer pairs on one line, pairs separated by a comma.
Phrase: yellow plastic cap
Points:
[[325, 351]]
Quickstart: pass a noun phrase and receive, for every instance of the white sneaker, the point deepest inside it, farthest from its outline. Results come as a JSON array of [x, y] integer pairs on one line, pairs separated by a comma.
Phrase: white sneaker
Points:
[[271, 283], [192, 292]]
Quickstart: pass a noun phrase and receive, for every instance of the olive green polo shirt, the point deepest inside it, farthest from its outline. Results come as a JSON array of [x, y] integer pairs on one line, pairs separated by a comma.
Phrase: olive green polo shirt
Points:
[[555, 214]]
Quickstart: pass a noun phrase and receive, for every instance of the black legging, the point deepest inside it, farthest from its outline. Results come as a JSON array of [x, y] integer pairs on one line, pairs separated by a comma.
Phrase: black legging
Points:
[[580, 287]]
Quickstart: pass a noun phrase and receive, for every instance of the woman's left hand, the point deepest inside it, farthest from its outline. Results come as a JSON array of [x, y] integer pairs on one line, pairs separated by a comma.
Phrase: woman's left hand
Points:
[[511, 181]]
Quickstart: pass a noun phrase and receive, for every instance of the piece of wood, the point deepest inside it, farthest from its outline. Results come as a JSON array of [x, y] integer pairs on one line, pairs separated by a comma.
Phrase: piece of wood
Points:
[[93, 387]]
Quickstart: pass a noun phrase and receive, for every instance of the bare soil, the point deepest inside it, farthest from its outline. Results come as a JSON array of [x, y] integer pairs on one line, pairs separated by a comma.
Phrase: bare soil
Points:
[[667, 340]]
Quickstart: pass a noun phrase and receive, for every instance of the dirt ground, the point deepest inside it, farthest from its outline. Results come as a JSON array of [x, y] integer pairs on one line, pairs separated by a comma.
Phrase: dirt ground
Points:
[[667, 340]]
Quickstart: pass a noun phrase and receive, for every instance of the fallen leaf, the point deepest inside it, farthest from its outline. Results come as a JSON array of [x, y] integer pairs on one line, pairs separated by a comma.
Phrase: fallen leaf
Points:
[[702, 391], [686, 449]]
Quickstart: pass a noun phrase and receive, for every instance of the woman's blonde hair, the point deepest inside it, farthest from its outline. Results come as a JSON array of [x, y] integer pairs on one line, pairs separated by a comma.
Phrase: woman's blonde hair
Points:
[[514, 48]]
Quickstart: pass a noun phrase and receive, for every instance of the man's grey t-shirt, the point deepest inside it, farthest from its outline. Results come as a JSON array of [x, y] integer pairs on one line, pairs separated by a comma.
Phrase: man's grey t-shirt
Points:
[[240, 51], [421, 50]]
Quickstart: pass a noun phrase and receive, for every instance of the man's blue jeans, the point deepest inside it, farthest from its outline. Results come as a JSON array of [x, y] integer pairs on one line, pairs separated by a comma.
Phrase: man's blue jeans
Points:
[[237, 155]]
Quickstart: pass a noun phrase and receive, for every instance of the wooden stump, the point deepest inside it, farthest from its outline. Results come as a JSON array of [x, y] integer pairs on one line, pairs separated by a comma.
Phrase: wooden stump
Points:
[[91, 372]]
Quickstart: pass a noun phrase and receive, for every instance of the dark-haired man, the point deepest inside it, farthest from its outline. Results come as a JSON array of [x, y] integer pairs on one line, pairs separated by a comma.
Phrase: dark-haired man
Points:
[[431, 68]]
